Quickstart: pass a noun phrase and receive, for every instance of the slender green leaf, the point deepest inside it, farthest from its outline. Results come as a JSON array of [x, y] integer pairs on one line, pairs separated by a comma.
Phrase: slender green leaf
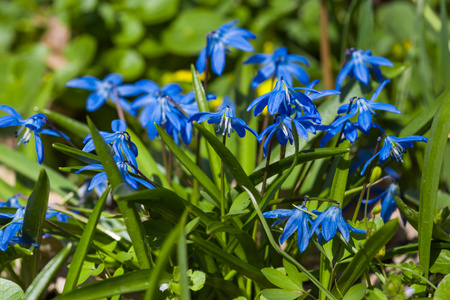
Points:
[[365, 27], [83, 244], [163, 259], [71, 125], [230, 260], [131, 282], [44, 278], [36, 209], [162, 200], [434, 155], [339, 184], [421, 123], [10, 290], [85, 157], [303, 157], [30, 169], [277, 294], [202, 178], [182, 264], [203, 106], [443, 46], [129, 211], [364, 256], [229, 160], [412, 217]]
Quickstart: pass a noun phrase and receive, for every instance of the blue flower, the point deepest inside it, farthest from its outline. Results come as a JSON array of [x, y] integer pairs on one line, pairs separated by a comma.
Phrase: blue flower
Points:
[[395, 147], [133, 181], [226, 119], [331, 221], [350, 131], [109, 87], [32, 124], [283, 128], [366, 109], [357, 66], [281, 99], [388, 205], [216, 46], [281, 64], [297, 220], [120, 141], [11, 232], [12, 202]]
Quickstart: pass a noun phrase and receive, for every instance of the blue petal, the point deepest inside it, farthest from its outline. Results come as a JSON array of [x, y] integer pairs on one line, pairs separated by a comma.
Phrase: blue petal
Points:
[[6, 121], [368, 162], [365, 117], [342, 74], [218, 59], [89, 83], [97, 179], [39, 147], [171, 89], [379, 89], [11, 111], [378, 60], [383, 106], [114, 78], [292, 225], [361, 72], [95, 100], [263, 74], [128, 90], [259, 58], [147, 86], [298, 58], [298, 73], [118, 126]]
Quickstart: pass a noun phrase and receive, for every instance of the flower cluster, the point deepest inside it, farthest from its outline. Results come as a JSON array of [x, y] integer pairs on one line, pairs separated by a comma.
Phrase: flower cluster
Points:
[[300, 219], [124, 152]]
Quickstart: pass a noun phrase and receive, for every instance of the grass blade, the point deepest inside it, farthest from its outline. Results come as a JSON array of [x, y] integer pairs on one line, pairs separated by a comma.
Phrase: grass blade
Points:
[[434, 155], [83, 244], [85, 157]]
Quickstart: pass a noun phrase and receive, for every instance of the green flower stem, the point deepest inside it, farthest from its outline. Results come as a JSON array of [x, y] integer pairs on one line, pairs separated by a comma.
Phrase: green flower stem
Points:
[[366, 181], [266, 169], [118, 107], [277, 248], [222, 182]]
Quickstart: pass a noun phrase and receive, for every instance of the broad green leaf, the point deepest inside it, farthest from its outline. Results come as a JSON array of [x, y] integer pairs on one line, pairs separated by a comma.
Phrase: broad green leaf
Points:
[[293, 273], [303, 157], [412, 217], [440, 261], [281, 280], [83, 244], [129, 210], [434, 155], [230, 260], [157, 11], [131, 30], [10, 290], [210, 187], [356, 292], [66, 124], [33, 220], [443, 289], [203, 106], [131, 282], [163, 259], [277, 294], [239, 205], [364, 256], [30, 169], [125, 61], [85, 157], [46, 275]]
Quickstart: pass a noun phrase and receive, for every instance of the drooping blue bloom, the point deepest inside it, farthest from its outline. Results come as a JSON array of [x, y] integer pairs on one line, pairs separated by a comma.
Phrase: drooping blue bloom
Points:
[[358, 63], [217, 43], [110, 88], [350, 131], [226, 119], [133, 181], [12, 202], [388, 205], [11, 232], [366, 109], [395, 147], [119, 140], [32, 124], [281, 65], [283, 128], [297, 220], [281, 99], [332, 220]]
